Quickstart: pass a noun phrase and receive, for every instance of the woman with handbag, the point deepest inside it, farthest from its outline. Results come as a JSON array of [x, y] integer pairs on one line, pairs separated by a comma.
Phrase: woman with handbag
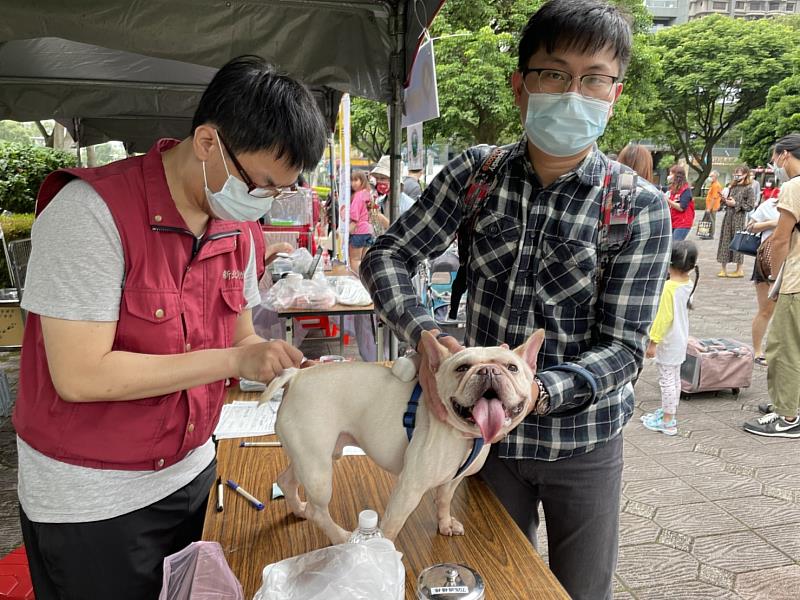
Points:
[[763, 220], [740, 201]]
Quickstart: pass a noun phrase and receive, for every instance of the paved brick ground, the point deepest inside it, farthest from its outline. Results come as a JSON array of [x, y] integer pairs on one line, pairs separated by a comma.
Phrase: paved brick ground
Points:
[[710, 513]]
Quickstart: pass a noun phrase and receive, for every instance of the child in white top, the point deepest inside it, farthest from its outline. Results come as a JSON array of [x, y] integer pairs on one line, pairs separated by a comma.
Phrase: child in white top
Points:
[[669, 335]]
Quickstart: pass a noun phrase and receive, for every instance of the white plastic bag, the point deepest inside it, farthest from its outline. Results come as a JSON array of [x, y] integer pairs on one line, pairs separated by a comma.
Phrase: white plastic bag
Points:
[[301, 260], [295, 292], [365, 571], [199, 572], [350, 291]]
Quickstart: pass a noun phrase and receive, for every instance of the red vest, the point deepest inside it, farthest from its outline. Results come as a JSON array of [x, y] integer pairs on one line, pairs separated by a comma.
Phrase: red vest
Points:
[[685, 219], [179, 295]]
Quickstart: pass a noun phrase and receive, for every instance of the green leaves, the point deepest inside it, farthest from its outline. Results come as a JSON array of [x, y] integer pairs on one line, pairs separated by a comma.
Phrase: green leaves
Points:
[[715, 72], [22, 169]]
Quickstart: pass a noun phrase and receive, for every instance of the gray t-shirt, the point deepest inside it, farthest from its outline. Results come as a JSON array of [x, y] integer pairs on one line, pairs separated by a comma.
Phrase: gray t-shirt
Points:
[[70, 279]]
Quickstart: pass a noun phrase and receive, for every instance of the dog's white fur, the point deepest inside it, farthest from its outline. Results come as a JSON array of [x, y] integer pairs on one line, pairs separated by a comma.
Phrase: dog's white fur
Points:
[[329, 406]]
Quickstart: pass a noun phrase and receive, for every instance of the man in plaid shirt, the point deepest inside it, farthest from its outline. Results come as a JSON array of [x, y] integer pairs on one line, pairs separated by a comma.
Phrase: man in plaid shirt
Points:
[[534, 263]]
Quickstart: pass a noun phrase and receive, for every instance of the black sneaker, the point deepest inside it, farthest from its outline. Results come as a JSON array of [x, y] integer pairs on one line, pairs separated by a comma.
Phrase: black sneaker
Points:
[[766, 408], [774, 425]]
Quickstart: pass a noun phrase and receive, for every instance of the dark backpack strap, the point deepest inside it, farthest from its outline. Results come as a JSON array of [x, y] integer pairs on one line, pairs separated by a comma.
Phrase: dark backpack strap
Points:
[[479, 187]]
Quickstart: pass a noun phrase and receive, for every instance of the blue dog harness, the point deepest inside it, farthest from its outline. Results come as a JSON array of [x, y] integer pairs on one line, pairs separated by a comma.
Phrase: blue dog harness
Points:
[[410, 419]]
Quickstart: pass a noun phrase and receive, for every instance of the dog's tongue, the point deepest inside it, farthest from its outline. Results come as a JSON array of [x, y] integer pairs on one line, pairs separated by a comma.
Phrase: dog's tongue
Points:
[[489, 416]]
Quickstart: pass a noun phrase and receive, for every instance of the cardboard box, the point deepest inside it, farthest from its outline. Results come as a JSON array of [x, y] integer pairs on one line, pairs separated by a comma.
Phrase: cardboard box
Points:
[[11, 325]]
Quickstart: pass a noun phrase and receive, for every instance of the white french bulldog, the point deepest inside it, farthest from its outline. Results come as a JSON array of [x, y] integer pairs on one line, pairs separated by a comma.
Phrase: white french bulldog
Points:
[[486, 391]]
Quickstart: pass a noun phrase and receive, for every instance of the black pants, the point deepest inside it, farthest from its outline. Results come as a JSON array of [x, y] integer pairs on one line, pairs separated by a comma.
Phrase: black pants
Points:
[[580, 496], [119, 558]]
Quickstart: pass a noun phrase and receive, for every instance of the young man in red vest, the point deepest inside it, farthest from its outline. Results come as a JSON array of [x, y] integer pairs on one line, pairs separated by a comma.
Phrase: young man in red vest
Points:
[[139, 289]]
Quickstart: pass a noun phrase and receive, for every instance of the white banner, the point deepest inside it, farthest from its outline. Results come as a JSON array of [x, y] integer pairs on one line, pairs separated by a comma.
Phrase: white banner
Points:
[[414, 146], [422, 93], [344, 177]]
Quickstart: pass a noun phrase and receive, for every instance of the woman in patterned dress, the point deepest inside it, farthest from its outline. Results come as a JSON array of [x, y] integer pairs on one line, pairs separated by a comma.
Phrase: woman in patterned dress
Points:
[[739, 202]]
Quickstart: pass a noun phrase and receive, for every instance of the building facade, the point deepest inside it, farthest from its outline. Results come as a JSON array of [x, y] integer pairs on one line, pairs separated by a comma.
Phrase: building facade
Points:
[[743, 9], [668, 12]]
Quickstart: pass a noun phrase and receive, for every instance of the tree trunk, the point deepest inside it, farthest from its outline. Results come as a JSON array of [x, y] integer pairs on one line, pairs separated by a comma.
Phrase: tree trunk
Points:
[[91, 157], [48, 137]]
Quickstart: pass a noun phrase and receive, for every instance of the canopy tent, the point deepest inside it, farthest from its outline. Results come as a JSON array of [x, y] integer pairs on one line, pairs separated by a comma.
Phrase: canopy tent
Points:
[[148, 60], [134, 70]]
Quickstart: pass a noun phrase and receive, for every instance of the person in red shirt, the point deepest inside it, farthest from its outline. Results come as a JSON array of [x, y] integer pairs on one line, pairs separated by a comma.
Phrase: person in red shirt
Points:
[[681, 203], [770, 191]]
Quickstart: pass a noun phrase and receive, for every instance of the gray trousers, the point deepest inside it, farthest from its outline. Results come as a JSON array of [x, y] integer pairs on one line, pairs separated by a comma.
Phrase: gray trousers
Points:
[[580, 496]]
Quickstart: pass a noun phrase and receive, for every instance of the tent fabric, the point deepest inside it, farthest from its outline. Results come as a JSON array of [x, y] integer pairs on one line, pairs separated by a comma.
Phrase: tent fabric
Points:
[[114, 63]]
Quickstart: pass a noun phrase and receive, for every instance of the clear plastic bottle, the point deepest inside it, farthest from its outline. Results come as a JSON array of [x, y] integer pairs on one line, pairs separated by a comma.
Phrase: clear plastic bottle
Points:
[[367, 527]]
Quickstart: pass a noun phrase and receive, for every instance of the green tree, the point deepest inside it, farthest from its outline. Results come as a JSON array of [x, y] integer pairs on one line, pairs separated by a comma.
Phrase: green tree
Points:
[[715, 72], [22, 169], [369, 126], [14, 131], [476, 53], [780, 115]]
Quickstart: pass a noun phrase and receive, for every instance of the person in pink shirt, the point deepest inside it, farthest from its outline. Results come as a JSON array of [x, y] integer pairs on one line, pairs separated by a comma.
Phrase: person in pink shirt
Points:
[[360, 228]]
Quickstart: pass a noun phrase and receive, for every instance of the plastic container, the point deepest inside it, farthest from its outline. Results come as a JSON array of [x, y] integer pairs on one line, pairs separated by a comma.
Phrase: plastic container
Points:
[[367, 527], [448, 581]]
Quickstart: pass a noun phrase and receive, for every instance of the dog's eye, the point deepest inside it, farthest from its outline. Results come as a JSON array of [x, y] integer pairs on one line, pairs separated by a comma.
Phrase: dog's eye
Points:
[[462, 368], [513, 368]]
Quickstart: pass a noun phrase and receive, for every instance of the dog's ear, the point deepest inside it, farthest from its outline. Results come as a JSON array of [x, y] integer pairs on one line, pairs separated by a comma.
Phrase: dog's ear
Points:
[[435, 352], [530, 349]]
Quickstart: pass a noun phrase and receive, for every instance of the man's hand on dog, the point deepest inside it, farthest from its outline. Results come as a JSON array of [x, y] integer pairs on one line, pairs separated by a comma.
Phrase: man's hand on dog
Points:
[[427, 377]]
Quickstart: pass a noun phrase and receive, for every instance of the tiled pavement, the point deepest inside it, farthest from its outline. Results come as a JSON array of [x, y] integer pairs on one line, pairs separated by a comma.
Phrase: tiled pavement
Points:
[[710, 513]]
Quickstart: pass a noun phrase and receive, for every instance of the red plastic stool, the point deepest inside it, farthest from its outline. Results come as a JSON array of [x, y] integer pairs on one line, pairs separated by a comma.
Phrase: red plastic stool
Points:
[[15, 578], [329, 329]]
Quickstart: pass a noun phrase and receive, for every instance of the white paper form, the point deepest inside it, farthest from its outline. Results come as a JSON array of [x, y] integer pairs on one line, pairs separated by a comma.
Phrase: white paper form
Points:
[[247, 418]]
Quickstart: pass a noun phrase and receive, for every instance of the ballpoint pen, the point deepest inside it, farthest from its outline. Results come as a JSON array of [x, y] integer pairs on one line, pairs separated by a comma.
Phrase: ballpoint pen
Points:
[[259, 444], [254, 502]]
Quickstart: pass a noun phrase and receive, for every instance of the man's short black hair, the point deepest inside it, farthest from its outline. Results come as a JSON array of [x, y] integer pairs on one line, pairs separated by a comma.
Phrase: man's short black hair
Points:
[[258, 109], [586, 26]]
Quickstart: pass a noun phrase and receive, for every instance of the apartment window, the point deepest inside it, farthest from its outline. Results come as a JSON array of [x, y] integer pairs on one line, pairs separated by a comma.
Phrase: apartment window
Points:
[[756, 6], [790, 7], [740, 6], [720, 6], [774, 5]]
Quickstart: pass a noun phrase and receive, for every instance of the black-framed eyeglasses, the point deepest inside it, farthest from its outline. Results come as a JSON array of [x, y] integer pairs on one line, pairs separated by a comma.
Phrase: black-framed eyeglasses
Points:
[[270, 191], [553, 81]]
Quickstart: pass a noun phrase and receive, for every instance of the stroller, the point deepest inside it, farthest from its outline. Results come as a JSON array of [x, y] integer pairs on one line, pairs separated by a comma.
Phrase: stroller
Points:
[[435, 285]]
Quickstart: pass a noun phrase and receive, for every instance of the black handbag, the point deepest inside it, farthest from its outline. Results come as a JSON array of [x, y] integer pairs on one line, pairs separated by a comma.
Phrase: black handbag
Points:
[[746, 242]]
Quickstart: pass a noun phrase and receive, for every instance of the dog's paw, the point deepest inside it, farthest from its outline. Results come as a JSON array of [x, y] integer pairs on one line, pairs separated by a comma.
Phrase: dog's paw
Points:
[[450, 527]]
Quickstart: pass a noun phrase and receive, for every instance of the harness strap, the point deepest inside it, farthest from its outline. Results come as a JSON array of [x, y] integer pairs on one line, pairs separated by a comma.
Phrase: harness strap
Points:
[[410, 420]]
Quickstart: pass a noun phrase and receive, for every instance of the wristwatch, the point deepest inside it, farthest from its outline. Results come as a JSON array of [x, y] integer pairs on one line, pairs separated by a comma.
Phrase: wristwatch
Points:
[[543, 400]]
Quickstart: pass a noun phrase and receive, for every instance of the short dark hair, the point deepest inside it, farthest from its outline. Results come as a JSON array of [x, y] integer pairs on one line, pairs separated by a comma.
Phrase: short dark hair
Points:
[[258, 109], [789, 143], [587, 26]]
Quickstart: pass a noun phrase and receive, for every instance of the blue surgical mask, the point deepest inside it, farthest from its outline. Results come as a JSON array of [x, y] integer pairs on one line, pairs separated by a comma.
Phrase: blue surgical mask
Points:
[[234, 202], [565, 124]]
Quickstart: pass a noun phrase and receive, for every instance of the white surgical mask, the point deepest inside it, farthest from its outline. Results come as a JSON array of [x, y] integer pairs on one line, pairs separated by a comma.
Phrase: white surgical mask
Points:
[[565, 124], [233, 202], [780, 173]]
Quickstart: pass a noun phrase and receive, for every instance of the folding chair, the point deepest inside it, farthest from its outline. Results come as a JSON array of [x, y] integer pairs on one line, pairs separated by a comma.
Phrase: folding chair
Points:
[[19, 251]]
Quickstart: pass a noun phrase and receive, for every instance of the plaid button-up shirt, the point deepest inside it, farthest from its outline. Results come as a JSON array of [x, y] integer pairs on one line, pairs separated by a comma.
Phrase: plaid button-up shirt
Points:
[[533, 264]]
